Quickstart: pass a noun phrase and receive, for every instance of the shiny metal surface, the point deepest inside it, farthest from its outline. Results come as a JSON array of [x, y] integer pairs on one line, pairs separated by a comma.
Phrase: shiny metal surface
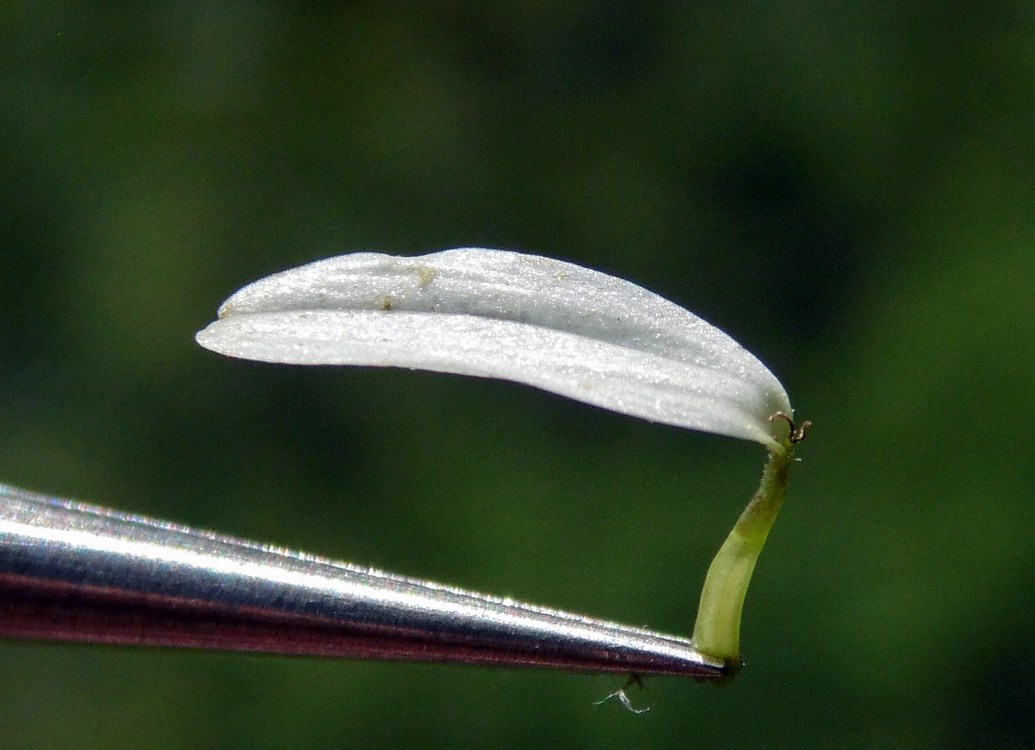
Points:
[[79, 573]]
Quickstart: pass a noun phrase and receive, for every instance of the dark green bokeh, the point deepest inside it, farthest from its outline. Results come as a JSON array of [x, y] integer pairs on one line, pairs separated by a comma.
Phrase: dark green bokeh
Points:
[[846, 188]]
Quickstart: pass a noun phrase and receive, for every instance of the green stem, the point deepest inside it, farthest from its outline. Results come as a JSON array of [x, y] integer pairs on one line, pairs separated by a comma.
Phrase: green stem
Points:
[[717, 630]]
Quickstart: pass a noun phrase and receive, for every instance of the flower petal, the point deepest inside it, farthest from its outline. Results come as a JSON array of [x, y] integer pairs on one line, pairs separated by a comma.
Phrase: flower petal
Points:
[[495, 313]]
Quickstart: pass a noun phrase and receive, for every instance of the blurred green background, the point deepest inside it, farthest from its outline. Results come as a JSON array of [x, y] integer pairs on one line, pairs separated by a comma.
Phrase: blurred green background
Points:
[[845, 187]]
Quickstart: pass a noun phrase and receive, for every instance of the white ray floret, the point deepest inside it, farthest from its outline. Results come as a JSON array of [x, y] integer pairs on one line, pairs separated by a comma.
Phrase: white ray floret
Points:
[[550, 324]]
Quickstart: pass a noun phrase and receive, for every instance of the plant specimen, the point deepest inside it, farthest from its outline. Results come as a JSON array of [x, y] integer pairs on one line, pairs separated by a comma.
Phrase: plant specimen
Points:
[[547, 323]]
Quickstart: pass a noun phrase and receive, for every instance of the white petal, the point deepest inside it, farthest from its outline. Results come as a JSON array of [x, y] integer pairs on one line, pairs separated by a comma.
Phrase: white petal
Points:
[[500, 314]]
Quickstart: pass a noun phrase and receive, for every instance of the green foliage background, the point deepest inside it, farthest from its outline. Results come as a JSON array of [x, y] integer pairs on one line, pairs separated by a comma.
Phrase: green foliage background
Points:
[[845, 187]]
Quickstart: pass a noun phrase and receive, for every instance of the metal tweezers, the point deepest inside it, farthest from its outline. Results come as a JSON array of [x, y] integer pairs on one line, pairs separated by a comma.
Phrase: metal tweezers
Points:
[[78, 573]]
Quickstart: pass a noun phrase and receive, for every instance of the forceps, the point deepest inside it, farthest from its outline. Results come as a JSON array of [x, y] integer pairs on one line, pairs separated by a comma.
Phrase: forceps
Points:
[[75, 572]]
